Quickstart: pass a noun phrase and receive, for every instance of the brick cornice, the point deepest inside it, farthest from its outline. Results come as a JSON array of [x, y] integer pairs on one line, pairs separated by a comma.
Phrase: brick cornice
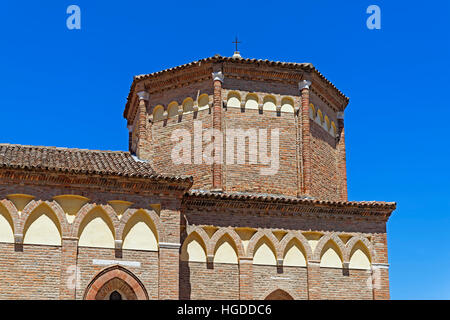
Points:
[[251, 69], [305, 207], [174, 188]]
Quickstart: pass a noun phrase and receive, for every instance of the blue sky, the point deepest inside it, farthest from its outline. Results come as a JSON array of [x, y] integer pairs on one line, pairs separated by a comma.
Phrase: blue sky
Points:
[[68, 88]]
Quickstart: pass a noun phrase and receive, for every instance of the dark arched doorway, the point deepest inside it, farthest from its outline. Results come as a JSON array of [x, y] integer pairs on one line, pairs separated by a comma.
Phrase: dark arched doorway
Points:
[[115, 283], [279, 295]]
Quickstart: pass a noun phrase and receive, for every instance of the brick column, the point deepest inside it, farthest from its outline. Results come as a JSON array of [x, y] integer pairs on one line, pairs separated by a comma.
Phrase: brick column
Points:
[[169, 251], [130, 138], [313, 280], [305, 137], [217, 125], [141, 149], [246, 279], [380, 268], [342, 163], [69, 275]]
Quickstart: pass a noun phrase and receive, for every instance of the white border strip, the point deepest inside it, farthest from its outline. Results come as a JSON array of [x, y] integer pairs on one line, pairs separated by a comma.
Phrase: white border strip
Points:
[[100, 262]]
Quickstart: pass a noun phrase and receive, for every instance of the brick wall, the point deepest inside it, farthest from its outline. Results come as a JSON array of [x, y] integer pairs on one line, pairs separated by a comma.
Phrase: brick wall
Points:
[[33, 273], [336, 284], [220, 282]]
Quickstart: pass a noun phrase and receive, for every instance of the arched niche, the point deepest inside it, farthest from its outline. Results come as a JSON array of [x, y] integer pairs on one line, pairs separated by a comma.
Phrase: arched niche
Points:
[[312, 111], [331, 256], [96, 230], [172, 109], [42, 227], [158, 113], [140, 233], [251, 102], [226, 251], [193, 249], [188, 105], [270, 103], [360, 257], [320, 117], [287, 105], [233, 100], [294, 254], [264, 253], [203, 101]]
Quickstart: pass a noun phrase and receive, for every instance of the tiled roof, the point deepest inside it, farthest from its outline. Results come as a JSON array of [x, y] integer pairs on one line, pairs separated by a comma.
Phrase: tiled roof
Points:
[[289, 199], [219, 58], [83, 161]]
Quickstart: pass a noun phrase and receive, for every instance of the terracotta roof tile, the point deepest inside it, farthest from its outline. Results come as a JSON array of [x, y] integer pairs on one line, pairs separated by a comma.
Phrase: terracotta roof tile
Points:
[[289, 199], [116, 163]]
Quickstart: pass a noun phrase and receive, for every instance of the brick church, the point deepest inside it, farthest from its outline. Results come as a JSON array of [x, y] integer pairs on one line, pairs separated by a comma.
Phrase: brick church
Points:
[[234, 187]]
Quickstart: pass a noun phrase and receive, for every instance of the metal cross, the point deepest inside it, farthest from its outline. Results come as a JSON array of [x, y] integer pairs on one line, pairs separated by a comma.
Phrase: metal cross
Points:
[[236, 42]]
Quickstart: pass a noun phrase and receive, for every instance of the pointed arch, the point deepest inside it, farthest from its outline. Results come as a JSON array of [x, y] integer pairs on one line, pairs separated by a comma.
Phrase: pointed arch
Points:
[[353, 241], [323, 240], [138, 232], [42, 223], [331, 255], [194, 248], [263, 248], [96, 226], [106, 281], [130, 212], [226, 246], [158, 113], [7, 224], [278, 294], [300, 238], [225, 251], [360, 257], [256, 237], [234, 237], [12, 211]]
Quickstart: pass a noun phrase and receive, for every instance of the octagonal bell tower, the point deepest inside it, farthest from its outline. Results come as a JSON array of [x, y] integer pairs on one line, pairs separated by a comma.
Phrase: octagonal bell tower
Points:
[[242, 126]]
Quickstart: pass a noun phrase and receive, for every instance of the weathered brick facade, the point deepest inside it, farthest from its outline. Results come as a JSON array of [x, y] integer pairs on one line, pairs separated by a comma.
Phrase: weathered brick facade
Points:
[[79, 224]]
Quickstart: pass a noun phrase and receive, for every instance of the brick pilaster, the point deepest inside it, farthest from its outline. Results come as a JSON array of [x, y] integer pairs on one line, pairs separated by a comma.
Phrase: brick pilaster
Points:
[[380, 267], [143, 143], [246, 279], [169, 251], [380, 282], [217, 125], [313, 280], [305, 137], [342, 163], [69, 273]]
